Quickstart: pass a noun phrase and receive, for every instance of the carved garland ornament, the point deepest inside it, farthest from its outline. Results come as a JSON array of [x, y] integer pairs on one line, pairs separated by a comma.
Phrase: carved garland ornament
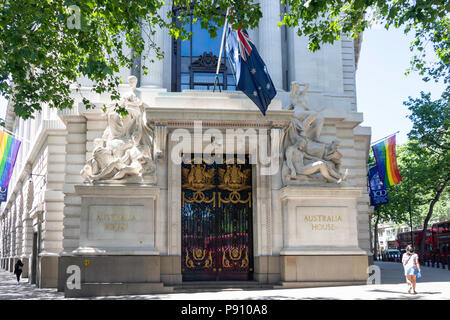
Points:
[[234, 257], [198, 258]]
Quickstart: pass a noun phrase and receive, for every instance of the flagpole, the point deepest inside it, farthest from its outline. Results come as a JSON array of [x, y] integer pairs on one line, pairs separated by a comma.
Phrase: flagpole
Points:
[[384, 138], [219, 61]]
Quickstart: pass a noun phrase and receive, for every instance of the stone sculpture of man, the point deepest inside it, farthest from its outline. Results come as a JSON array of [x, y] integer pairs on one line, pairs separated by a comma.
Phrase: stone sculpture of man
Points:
[[295, 160]]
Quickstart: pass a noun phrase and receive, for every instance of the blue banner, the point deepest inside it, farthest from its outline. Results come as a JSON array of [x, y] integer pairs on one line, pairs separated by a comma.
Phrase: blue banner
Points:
[[377, 190], [3, 194]]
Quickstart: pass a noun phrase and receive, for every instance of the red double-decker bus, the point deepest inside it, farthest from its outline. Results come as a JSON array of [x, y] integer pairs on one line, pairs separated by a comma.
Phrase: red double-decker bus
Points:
[[441, 240], [404, 239]]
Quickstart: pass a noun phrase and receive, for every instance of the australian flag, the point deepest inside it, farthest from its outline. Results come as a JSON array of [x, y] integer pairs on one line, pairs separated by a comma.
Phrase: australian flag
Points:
[[251, 72]]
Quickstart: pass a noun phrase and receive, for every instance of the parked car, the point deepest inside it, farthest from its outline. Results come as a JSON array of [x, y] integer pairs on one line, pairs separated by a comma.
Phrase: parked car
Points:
[[391, 255]]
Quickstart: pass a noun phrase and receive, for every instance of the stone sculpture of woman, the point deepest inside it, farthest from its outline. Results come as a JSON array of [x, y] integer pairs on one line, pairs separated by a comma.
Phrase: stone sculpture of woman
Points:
[[126, 147], [305, 121]]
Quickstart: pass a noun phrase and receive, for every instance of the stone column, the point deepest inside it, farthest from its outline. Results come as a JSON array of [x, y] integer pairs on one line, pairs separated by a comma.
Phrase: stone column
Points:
[[270, 40], [13, 230], [51, 220], [5, 239], [159, 68], [27, 222], [75, 159], [54, 197], [171, 263], [2, 241], [9, 242], [19, 224]]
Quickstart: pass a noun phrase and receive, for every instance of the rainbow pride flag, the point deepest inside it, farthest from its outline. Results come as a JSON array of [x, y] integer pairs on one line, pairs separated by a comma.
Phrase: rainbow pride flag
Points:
[[386, 158], [9, 147]]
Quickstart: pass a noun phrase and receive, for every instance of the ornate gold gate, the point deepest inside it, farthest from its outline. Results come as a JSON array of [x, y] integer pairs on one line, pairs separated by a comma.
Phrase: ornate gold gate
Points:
[[216, 209]]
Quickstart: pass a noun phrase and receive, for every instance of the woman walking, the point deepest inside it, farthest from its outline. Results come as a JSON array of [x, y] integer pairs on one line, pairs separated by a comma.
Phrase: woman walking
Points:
[[18, 270], [411, 264]]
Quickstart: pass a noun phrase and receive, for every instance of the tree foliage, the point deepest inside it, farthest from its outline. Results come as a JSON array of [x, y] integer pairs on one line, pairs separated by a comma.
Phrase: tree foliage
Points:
[[431, 122], [42, 55], [326, 21], [431, 144], [424, 164], [408, 194]]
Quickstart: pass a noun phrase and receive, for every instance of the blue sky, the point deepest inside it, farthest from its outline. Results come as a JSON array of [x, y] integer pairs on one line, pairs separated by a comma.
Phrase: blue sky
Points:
[[381, 83], [382, 86]]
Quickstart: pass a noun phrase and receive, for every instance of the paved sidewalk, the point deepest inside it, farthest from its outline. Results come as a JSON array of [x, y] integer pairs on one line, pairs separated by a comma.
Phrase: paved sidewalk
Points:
[[435, 285], [10, 290]]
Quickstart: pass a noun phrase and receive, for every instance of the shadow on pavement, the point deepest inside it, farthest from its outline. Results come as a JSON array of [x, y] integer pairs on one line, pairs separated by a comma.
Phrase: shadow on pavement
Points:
[[403, 292]]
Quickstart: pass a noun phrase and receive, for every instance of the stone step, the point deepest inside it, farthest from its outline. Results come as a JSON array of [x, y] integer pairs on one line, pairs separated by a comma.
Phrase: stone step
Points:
[[202, 286], [117, 289]]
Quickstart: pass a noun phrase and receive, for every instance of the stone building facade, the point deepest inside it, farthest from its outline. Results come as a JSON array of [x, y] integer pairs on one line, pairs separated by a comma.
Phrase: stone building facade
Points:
[[124, 222]]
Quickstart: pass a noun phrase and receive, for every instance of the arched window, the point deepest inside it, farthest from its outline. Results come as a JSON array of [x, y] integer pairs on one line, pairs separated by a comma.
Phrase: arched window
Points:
[[194, 62]]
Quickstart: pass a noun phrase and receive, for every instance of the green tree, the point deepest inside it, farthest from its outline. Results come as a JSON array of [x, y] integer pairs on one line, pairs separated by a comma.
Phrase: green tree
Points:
[[430, 150], [405, 198], [44, 50], [42, 54], [327, 21]]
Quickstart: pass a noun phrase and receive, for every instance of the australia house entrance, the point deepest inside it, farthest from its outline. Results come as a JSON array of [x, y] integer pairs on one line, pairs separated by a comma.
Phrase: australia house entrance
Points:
[[216, 217]]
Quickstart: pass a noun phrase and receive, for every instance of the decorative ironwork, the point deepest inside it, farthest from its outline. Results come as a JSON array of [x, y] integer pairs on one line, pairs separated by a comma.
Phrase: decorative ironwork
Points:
[[234, 258], [198, 179], [198, 197], [198, 259], [234, 179], [207, 62], [216, 240]]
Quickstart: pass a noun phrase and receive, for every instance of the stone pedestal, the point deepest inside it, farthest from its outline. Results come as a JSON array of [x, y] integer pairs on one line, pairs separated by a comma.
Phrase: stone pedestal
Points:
[[106, 275], [47, 276], [117, 219], [321, 236], [117, 252], [26, 266]]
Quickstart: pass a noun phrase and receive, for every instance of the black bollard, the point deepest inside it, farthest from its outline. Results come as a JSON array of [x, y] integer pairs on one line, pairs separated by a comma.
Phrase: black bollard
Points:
[[448, 262], [432, 261], [443, 262]]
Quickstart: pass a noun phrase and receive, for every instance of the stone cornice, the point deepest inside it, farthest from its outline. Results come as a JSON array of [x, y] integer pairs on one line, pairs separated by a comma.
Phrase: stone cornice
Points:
[[117, 191], [320, 192]]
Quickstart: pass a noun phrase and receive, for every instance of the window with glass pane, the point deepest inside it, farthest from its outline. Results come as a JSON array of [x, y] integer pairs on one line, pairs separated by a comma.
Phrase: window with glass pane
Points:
[[194, 64]]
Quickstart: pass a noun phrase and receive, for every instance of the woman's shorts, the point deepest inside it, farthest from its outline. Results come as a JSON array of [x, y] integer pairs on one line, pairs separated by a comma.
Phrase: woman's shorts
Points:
[[411, 272]]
